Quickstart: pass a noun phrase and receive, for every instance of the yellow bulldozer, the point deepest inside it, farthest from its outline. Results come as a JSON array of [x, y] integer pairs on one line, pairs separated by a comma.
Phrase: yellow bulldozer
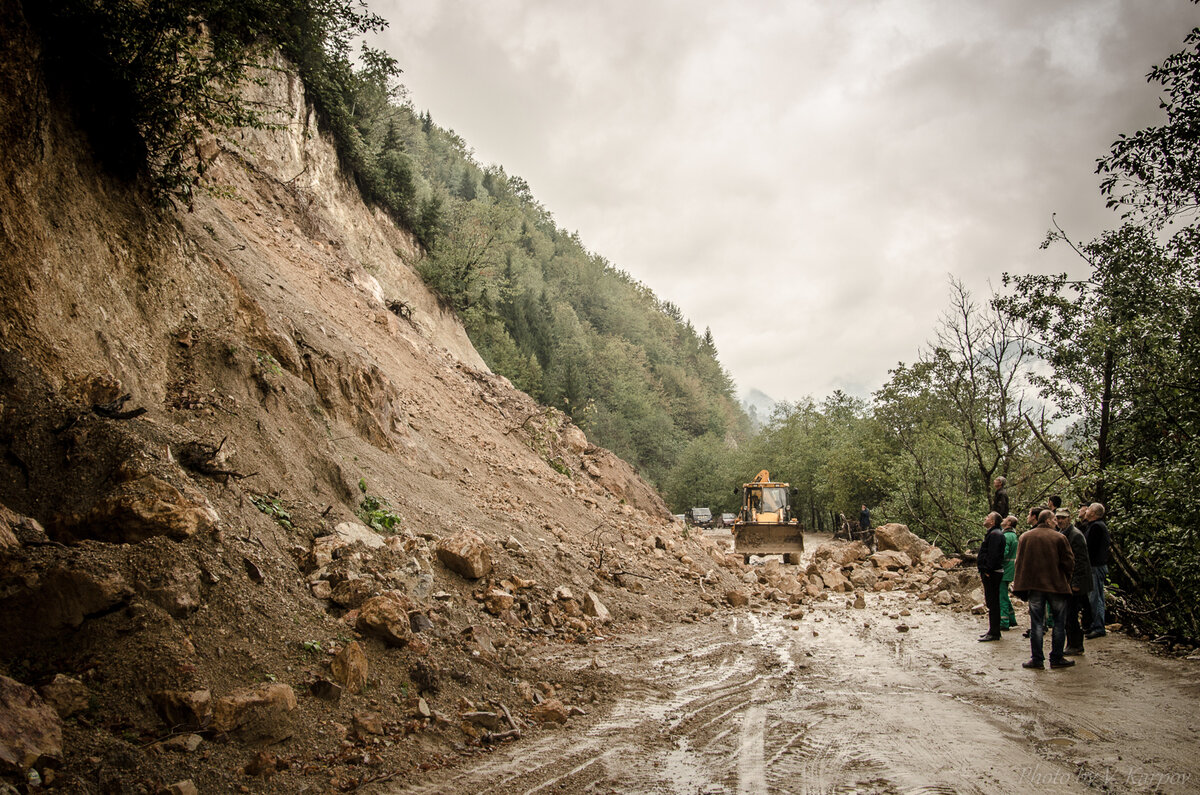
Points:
[[765, 525]]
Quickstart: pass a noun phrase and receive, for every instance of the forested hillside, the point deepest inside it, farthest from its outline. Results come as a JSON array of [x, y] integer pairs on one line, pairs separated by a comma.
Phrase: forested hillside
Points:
[[562, 323]]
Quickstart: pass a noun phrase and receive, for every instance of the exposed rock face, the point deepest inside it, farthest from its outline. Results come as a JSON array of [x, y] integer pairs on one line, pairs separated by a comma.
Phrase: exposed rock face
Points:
[[466, 554], [29, 729]]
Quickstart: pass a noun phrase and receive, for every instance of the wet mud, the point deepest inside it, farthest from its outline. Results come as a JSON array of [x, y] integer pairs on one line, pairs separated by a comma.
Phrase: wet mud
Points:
[[843, 701]]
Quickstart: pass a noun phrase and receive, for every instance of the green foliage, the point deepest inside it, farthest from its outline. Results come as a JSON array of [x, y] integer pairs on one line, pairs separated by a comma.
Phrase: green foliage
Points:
[[273, 507], [376, 512]]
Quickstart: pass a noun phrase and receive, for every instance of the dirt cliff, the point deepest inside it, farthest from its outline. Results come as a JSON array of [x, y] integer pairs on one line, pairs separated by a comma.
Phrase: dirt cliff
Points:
[[266, 518]]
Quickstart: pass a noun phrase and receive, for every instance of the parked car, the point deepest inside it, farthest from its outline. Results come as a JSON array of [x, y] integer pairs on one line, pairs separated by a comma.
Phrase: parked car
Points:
[[727, 519]]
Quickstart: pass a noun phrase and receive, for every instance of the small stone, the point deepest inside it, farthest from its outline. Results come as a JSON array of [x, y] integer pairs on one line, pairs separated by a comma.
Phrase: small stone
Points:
[[902, 628], [860, 602], [182, 743], [185, 787], [364, 723], [497, 601], [321, 589], [349, 667]]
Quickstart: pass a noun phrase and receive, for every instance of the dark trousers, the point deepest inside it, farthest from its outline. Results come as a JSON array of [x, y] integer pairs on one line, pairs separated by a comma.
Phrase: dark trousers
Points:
[[1038, 602], [1077, 603], [991, 596]]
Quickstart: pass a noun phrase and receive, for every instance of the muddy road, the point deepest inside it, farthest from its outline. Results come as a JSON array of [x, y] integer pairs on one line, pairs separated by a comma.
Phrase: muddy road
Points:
[[844, 700]]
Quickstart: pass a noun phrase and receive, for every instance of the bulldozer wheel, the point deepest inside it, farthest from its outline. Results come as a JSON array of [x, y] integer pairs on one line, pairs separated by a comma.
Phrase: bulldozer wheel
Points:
[[792, 558]]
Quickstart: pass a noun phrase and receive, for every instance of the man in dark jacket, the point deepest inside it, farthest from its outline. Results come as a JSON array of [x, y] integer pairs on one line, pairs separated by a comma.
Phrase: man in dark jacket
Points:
[[991, 570], [1045, 564], [1000, 500], [1081, 581], [1097, 543]]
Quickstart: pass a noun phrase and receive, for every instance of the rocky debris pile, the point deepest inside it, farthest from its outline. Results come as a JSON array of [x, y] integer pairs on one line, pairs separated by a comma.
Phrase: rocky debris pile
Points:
[[902, 561]]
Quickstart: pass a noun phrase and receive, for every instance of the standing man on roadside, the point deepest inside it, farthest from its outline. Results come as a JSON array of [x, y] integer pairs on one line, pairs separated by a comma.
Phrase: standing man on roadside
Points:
[[1000, 499], [1097, 544], [991, 570], [1008, 616], [1045, 564], [1081, 581], [864, 520]]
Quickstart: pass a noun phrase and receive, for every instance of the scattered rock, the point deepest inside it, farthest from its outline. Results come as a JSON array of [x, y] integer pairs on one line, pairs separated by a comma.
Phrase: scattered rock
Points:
[[899, 538], [365, 723], [592, 606], [66, 695], [182, 743], [321, 589], [182, 709], [352, 593], [943, 598], [860, 602], [736, 599], [384, 617], [349, 666], [30, 730], [465, 554], [497, 601], [354, 533], [185, 787], [326, 690], [257, 713], [550, 711]]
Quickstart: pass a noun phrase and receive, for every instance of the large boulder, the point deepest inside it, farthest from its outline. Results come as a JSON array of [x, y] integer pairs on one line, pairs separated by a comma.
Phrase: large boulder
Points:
[[257, 713], [834, 580], [466, 554], [146, 507], [386, 618], [841, 553], [891, 559], [899, 538], [30, 730]]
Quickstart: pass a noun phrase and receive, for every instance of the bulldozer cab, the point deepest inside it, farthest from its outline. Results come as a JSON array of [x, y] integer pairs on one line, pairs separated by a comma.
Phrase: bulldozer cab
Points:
[[765, 525], [765, 502]]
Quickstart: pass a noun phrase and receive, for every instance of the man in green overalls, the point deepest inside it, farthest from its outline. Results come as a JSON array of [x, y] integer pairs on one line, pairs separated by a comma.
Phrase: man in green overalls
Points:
[[1008, 618]]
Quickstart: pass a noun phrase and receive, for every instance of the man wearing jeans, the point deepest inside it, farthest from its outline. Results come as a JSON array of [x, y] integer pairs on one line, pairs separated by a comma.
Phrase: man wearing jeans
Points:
[[1044, 567], [1097, 543]]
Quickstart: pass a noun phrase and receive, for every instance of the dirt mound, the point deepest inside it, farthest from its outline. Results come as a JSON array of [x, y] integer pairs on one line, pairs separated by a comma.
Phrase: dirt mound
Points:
[[228, 466]]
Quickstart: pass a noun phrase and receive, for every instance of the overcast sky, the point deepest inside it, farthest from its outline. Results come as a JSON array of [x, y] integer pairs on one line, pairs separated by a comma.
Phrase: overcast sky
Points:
[[799, 176]]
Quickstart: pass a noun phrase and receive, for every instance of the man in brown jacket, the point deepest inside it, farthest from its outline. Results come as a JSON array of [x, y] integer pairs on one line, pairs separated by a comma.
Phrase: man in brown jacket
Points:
[[1045, 564]]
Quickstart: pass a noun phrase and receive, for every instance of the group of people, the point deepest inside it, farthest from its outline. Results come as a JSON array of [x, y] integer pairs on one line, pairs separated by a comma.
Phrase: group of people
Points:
[[1056, 565]]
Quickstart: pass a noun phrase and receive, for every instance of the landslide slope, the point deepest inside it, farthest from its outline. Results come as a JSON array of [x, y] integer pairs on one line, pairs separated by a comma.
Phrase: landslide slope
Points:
[[201, 411]]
